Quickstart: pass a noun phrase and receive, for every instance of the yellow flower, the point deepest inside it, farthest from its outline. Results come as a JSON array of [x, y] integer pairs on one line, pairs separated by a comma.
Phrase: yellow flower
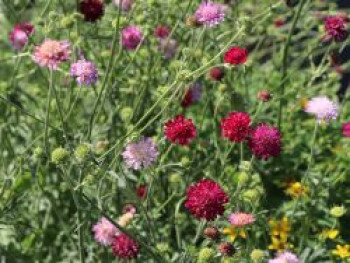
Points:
[[329, 233], [278, 244], [296, 189], [280, 227], [342, 251], [234, 232]]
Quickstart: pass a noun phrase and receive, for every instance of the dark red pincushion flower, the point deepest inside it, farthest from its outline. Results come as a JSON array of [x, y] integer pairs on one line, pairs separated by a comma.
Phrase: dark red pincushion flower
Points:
[[335, 27], [265, 141], [346, 129], [235, 126], [264, 95], [141, 191], [91, 9], [206, 199], [216, 73], [162, 31], [236, 56], [124, 247], [180, 130], [279, 23]]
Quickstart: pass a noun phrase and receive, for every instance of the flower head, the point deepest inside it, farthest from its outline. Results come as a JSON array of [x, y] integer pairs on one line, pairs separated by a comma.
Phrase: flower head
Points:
[[241, 219], [180, 130], [131, 37], [124, 247], [51, 53], [19, 35], [226, 249], [141, 191], [192, 95], [104, 232], [124, 5], [206, 199], [323, 108], [235, 126], [265, 141], [346, 129], [140, 154], [257, 255], [296, 189], [216, 73], [85, 72], [162, 31], [236, 56], [335, 27], [342, 251], [92, 10], [210, 14]]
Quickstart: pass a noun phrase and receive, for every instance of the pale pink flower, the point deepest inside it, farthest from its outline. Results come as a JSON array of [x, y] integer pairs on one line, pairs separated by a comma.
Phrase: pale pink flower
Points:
[[104, 232], [239, 219]]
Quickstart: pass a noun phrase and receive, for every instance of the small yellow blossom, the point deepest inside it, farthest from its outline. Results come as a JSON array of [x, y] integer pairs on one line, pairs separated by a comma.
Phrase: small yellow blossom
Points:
[[342, 251], [234, 232], [296, 189], [329, 233], [279, 234], [280, 226]]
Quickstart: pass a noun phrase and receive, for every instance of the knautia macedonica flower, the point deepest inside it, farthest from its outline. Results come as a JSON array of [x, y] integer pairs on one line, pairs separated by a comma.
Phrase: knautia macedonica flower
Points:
[[162, 32], [92, 10], [323, 108], [216, 73], [124, 247], [85, 72], [265, 141], [206, 199], [51, 53], [210, 14], [346, 129], [180, 130], [104, 232], [239, 219], [235, 126], [192, 95], [131, 37], [140, 154], [236, 56], [285, 257], [168, 47], [335, 27], [124, 5], [20, 34]]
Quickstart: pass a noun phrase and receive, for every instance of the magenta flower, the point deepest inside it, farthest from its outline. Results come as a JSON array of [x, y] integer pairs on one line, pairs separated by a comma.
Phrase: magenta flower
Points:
[[105, 232], [346, 129], [51, 53], [323, 108], [85, 72], [210, 14], [335, 27], [140, 154], [241, 219], [19, 35], [131, 37]]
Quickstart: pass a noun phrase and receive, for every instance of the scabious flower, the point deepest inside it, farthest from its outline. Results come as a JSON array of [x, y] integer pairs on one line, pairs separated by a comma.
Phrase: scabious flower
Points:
[[346, 129], [124, 247], [19, 35], [141, 191], [264, 95], [180, 130], [211, 232], [104, 231], [192, 95], [162, 31], [85, 72], [168, 47], [92, 10], [236, 56], [285, 257], [335, 27], [140, 154], [124, 5], [241, 219], [131, 37], [265, 141], [210, 14], [235, 126], [226, 249], [323, 108], [206, 199], [51, 53], [216, 73]]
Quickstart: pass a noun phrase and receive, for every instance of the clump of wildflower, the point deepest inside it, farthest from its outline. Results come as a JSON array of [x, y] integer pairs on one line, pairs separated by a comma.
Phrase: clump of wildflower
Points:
[[323, 108], [342, 252], [124, 247], [104, 232], [168, 47], [59, 155], [239, 219], [337, 211], [140, 154], [180, 130], [82, 151], [193, 94], [131, 37], [51, 53], [92, 10], [257, 255], [210, 14], [20, 34], [206, 199], [85, 72], [335, 27], [279, 231], [285, 257], [205, 255], [296, 189], [235, 126], [124, 5], [346, 130], [236, 56]]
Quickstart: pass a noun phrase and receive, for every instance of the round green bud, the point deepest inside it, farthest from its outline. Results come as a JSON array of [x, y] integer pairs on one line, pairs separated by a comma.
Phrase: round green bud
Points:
[[175, 178], [222, 87], [206, 255], [143, 53], [251, 195], [38, 151], [163, 247], [59, 155], [82, 151], [67, 22], [242, 178], [230, 170], [337, 211], [126, 114], [185, 161], [257, 255]]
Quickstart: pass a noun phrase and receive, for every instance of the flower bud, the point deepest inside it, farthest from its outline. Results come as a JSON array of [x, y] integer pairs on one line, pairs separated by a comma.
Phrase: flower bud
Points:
[[257, 255], [337, 211], [205, 255], [216, 73], [226, 249], [211, 232], [126, 114], [82, 151], [264, 95], [59, 155]]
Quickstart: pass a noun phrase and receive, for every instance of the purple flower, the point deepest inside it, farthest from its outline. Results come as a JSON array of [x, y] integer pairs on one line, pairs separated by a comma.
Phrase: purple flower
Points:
[[140, 154], [168, 47], [105, 232], [19, 35], [323, 108], [285, 257], [210, 14], [84, 71], [346, 129], [131, 37]]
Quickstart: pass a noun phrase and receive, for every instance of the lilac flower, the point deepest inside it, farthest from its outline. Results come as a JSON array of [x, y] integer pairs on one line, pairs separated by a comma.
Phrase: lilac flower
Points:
[[85, 72], [323, 108], [210, 14], [131, 37], [285, 257], [104, 232], [140, 154]]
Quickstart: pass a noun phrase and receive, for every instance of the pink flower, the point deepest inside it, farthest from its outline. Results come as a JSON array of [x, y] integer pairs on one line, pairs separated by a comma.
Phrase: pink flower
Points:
[[105, 232], [210, 14], [346, 129], [19, 35], [51, 53], [335, 27], [131, 37], [323, 108], [241, 219], [285, 257], [85, 72], [124, 247]]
